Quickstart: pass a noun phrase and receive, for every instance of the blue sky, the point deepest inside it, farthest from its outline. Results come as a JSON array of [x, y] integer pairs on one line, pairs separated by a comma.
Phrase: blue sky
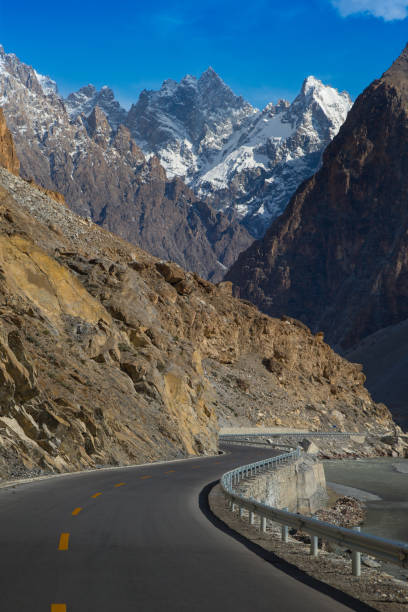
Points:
[[263, 49]]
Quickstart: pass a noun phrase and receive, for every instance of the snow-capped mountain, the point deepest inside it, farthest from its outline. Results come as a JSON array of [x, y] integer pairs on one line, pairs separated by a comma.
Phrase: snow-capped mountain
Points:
[[243, 158], [70, 146], [187, 124], [245, 162], [249, 162], [262, 165]]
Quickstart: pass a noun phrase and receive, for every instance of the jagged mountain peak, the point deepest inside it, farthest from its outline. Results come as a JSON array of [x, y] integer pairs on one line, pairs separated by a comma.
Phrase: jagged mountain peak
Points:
[[88, 97], [22, 73], [311, 83], [209, 73], [215, 93], [210, 76], [203, 89], [186, 123], [87, 90], [313, 87], [329, 106], [189, 80]]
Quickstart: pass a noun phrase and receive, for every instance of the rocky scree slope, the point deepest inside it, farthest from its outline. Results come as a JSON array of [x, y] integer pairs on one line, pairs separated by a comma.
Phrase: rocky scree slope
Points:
[[104, 175], [337, 257], [249, 162], [111, 356]]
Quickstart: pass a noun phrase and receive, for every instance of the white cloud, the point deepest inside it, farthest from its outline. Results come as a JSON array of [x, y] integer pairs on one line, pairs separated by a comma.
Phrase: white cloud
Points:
[[389, 10]]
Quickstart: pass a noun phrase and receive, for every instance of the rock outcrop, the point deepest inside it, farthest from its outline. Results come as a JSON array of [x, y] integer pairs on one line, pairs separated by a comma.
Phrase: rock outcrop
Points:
[[8, 153], [337, 257], [111, 356], [10, 161]]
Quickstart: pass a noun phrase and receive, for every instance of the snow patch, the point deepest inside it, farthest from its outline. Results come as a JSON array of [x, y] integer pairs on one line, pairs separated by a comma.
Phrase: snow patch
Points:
[[47, 84]]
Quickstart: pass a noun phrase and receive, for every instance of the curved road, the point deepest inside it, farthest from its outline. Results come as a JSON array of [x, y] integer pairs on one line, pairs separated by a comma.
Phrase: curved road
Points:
[[80, 543]]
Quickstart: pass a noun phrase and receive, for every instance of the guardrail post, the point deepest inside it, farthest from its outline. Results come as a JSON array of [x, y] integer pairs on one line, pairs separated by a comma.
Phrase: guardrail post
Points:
[[251, 518], [285, 531], [263, 524], [233, 507], [314, 545], [356, 559], [241, 511]]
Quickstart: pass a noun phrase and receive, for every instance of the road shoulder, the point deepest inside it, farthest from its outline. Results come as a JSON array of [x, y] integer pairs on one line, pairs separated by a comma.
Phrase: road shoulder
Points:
[[375, 589]]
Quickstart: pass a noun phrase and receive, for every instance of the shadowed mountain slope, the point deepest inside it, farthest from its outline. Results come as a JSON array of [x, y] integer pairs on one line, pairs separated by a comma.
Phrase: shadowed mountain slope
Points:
[[338, 256]]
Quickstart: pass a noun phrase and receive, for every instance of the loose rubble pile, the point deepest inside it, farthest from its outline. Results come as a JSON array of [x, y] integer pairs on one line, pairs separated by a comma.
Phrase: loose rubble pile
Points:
[[346, 512]]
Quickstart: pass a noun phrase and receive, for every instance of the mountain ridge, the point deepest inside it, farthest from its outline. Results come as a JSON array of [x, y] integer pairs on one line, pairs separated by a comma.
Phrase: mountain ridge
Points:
[[247, 161], [336, 258], [104, 175]]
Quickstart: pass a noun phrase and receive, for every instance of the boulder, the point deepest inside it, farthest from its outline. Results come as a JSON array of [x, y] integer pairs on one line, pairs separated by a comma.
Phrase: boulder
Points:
[[171, 272], [309, 447]]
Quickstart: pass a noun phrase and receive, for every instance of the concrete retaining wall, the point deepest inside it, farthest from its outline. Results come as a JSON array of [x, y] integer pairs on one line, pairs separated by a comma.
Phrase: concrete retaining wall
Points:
[[300, 486]]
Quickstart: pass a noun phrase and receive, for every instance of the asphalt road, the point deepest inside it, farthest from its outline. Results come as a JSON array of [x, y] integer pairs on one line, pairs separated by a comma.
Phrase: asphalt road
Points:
[[82, 543]]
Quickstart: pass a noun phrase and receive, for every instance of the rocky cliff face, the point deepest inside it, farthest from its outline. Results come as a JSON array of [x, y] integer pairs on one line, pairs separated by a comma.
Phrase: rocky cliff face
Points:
[[337, 257], [104, 175], [110, 356], [10, 161]]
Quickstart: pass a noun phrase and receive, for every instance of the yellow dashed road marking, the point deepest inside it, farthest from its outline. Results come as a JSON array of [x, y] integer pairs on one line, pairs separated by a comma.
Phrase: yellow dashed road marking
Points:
[[76, 511], [63, 541], [58, 608], [195, 467], [144, 477], [120, 484], [96, 494], [170, 472]]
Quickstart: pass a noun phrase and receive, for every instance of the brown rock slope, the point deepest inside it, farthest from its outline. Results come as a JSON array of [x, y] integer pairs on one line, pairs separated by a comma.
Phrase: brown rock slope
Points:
[[337, 258], [110, 356]]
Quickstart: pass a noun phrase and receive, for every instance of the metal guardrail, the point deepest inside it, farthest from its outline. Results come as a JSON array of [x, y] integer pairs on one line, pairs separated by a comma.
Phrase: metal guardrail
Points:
[[241, 441], [306, 434], [381, 548]]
